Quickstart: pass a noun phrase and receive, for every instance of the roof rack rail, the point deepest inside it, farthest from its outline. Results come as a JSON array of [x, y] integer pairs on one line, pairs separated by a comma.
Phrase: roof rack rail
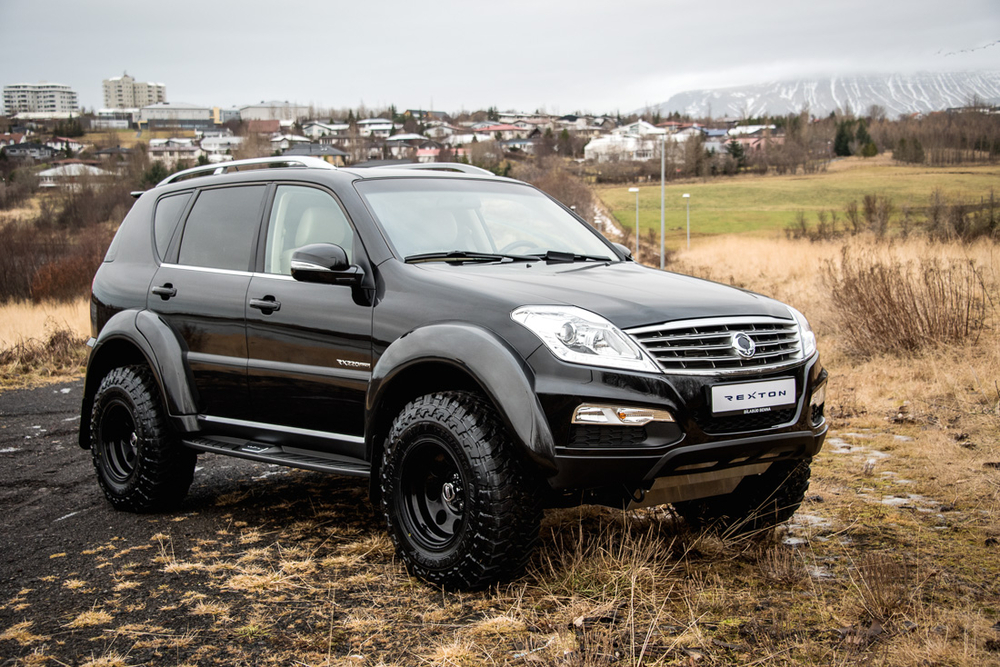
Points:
[[297, 161], [439, 166]]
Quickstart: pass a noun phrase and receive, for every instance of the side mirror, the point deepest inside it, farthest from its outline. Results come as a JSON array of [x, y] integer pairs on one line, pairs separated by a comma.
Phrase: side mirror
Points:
[[324, 263], [625, 251]]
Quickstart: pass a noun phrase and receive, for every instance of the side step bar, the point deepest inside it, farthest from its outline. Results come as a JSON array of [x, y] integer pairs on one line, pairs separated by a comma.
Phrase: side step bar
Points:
[[285, 456]]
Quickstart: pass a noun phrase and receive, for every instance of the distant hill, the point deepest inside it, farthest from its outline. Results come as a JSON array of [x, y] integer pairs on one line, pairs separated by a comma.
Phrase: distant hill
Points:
[[897, 93]]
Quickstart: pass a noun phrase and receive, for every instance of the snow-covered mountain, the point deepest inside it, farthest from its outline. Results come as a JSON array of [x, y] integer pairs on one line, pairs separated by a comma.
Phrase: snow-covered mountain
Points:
[[897, 93]]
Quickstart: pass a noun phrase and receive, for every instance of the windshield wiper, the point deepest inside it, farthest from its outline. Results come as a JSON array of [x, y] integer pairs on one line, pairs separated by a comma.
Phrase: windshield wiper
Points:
[[460, 256], [569, 257]]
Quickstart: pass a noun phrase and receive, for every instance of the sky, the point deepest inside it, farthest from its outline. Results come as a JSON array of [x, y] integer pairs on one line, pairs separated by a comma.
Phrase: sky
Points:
[[453, 55]]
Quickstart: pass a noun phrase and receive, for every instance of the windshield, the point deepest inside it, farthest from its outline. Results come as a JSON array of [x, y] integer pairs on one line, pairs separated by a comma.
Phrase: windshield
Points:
[[422, 216]]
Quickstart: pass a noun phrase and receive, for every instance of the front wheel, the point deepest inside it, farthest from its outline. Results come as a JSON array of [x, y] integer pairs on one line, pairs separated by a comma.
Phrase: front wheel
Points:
[[757, 503], [140, 463], [460, 507]]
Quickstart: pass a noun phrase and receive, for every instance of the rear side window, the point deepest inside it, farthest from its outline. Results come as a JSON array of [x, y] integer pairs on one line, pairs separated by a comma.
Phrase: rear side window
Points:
[[220, 230], [168, 214]]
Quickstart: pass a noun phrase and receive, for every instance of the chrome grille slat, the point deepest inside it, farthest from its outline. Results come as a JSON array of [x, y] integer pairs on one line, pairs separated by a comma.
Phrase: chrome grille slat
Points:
[[702, 346]]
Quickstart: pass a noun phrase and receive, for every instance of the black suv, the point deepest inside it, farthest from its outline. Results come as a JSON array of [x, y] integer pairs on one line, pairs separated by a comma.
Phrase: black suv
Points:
[[465, 341]]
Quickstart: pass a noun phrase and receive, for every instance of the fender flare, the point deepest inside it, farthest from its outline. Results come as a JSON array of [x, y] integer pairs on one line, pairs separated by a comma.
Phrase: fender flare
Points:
[[162, 351], [491, 362]]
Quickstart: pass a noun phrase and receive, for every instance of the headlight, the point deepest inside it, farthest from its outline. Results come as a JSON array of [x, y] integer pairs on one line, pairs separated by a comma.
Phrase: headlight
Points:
[[581, 337], [806, 334]]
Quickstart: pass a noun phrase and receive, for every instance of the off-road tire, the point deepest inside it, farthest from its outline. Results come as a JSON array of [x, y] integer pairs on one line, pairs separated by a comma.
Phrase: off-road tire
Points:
[[757, 503], [488, 529], [140, 462]]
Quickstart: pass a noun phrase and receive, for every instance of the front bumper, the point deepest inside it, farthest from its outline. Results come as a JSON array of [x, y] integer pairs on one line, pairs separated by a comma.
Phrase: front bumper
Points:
[[631, 457]]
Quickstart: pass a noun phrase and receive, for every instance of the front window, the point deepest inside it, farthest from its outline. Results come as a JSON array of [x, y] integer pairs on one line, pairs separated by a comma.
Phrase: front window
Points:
[[422, 215]]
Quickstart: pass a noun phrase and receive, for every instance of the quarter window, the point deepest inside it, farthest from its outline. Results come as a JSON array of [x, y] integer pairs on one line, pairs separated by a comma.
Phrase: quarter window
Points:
[[168, 214], [220, 229]]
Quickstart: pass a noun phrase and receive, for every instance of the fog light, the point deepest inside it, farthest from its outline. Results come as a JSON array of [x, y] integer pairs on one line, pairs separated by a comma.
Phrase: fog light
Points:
[[819, 396], [612, 415]]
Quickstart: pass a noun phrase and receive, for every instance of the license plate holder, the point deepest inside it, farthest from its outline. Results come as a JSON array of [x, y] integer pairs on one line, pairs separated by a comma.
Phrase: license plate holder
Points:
[[747, 398]]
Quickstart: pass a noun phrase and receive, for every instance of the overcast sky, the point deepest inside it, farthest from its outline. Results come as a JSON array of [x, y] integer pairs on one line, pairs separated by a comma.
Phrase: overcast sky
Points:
[[450, 55]]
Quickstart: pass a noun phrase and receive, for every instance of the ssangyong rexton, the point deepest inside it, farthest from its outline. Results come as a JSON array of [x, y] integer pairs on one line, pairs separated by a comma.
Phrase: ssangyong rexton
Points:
[[465, 341]]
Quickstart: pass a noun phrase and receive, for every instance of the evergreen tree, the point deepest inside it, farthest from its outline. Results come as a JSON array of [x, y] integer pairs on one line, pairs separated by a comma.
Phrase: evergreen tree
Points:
[[842, 142], [862, 136], [738, 153]]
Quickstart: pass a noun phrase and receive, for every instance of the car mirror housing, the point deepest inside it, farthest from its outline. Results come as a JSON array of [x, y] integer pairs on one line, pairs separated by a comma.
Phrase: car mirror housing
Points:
[[324, 263]]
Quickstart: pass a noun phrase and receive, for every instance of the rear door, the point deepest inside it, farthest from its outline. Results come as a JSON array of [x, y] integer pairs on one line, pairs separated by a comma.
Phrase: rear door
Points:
[[200, 290], [309, 345]]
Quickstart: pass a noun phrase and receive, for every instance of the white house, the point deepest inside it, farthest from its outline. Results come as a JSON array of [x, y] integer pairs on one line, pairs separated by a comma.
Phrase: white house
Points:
[[640, 128], [621, 147], [220, 148], [285, 141], [63, 143], [315, 129], [169, 151], [376, 127], [69, 175]]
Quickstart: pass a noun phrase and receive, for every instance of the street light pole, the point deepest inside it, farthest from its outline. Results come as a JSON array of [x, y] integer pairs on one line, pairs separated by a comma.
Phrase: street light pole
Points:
[[663, 200], [688, 197], [636, 191]]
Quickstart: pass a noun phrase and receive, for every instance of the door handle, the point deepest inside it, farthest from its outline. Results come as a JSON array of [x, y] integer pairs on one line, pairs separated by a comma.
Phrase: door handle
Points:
[[267, 305], [165, 291]]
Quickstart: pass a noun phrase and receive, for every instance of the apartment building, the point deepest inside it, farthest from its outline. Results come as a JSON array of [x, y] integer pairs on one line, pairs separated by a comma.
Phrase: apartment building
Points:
[[39, 98], [124, 92]]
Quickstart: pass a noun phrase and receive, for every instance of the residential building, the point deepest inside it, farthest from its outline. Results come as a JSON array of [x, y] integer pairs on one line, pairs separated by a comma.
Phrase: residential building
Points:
[[27, 150], [621, 147], [170, 151], [39, 98], [421, 115], [124, 92], [435, 154], [499, 131], [285, 141], [70, 175], [334, 156], [376, 127], [220, 148], [316, 129], [177, 115], [639, 128], [11, 139], [274, 110], [64, 144]]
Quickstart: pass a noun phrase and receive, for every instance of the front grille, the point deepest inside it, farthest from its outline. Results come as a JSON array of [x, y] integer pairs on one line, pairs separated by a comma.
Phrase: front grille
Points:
[[706, 345], [607, 436], [751, 422]]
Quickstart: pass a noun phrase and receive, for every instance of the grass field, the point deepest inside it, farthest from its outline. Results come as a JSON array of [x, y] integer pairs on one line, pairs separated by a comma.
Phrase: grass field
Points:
[[770, 203]]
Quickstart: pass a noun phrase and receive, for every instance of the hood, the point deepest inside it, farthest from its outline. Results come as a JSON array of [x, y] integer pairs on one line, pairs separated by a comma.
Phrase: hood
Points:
[[626, 293]]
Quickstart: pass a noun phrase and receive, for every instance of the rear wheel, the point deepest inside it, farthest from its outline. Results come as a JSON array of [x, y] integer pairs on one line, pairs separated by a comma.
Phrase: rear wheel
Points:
[[460, 508], [757, 503], [140, 463]]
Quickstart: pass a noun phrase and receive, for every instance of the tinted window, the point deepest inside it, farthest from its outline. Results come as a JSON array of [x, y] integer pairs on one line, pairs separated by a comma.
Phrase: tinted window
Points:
[[219, 232], [300, 216], [168, 213]]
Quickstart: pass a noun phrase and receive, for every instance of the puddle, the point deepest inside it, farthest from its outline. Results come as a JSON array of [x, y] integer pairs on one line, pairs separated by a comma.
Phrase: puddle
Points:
[[819, 572]]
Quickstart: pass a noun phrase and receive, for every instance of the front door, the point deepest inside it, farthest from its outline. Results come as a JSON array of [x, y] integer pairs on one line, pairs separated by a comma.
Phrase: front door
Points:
[[309, 345]]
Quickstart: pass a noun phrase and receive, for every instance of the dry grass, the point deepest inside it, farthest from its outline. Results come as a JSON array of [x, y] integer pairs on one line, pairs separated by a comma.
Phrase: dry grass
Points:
[[24, 320], [42, 343], [891, 561]]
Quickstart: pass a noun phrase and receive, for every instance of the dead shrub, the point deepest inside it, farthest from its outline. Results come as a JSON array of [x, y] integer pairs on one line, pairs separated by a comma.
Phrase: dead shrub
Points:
[[68, 277], [61, 352], [884, 588], [886, 305]]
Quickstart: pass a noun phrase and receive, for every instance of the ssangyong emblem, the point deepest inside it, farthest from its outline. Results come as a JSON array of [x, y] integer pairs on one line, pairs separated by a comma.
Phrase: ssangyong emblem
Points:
[[744, 345]]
